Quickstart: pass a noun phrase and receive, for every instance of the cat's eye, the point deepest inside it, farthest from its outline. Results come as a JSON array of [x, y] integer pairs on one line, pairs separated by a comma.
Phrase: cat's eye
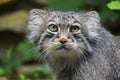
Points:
[[74, 28], [53, 28]]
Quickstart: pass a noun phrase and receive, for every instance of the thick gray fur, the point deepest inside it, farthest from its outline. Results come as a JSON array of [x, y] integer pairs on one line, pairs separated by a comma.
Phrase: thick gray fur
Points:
[[101, 60]]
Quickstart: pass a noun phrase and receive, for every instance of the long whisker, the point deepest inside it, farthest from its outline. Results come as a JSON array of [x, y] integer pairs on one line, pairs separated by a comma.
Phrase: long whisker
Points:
[[31, 51], [83, 54], [42, 54], [75, 50], [46, 54]]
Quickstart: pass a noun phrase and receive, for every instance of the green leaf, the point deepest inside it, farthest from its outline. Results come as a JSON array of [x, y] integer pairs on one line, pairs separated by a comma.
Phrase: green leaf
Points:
[[22, 77], [114, 5], [47, 69], [2, 72]]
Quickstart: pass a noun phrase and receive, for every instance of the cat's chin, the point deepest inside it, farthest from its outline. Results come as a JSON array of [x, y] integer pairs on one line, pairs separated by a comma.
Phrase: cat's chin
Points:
[[64, 54], [62, 48], [63, 51]]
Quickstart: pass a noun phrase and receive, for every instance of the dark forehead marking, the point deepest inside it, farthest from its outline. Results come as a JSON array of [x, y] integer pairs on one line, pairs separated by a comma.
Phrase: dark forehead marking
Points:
[[67, 16], [63, 16]]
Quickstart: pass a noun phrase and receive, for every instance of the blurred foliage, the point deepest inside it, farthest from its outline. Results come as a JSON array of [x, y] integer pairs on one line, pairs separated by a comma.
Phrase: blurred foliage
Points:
[[99, 5], [17, 57], [14, 21], [25, 53], [4, 1], [66, 4]]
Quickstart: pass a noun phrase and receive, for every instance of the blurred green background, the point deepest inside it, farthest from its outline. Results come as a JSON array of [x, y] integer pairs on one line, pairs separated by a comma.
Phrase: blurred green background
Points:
[[18, 58]]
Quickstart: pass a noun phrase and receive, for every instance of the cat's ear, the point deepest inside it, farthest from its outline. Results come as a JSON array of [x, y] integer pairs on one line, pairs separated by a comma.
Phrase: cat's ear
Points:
[[92, 21], [92, 16], [37, 13], [35, 20]]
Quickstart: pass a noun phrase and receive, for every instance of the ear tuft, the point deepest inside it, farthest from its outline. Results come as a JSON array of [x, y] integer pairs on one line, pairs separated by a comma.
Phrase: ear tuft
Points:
[[33, 11], [91, 17], [92, 14], [37, 12]]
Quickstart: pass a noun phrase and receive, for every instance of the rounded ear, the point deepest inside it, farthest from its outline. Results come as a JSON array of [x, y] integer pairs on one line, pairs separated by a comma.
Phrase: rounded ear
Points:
[[35, 20], [91, 20], [37, 12], [92, 17], [93, 14]]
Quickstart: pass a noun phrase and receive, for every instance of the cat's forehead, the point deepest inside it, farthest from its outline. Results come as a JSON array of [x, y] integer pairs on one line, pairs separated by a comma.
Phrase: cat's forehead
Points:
[[63, 14], [60, 17]]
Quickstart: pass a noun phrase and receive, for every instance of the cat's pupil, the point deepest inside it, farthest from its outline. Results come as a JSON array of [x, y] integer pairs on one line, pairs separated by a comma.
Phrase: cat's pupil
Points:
[[53, 28], [74, 29]]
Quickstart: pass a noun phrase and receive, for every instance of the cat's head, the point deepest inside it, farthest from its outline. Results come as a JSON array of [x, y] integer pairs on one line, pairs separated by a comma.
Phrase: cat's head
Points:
[[63, 34]]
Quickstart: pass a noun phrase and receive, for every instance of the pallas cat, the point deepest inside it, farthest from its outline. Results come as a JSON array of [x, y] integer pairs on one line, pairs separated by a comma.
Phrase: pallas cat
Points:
[[75, 45]]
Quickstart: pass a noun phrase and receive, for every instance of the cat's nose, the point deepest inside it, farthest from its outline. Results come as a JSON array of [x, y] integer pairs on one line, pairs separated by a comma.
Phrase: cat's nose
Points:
[[63, 40]]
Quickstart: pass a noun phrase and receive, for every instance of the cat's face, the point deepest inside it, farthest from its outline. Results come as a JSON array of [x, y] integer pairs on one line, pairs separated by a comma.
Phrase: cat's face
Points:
[[62, 34]]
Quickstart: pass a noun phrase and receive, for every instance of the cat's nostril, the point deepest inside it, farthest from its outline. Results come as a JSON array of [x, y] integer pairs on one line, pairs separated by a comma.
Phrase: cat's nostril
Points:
[[63, 40]]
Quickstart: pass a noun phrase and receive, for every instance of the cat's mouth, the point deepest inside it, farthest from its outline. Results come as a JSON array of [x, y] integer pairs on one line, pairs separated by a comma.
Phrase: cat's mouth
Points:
[[63, 51], [62, 47]]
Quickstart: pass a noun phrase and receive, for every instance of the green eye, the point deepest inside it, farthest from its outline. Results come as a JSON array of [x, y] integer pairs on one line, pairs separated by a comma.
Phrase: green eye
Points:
[[74, 28], [53, 28]]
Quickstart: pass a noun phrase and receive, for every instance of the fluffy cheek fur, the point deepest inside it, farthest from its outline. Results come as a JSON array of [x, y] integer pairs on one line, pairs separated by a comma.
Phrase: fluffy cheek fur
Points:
[[75, 50]]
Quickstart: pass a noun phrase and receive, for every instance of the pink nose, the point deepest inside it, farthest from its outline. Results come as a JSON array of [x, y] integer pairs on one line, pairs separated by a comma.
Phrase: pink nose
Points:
[[63, 40]]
